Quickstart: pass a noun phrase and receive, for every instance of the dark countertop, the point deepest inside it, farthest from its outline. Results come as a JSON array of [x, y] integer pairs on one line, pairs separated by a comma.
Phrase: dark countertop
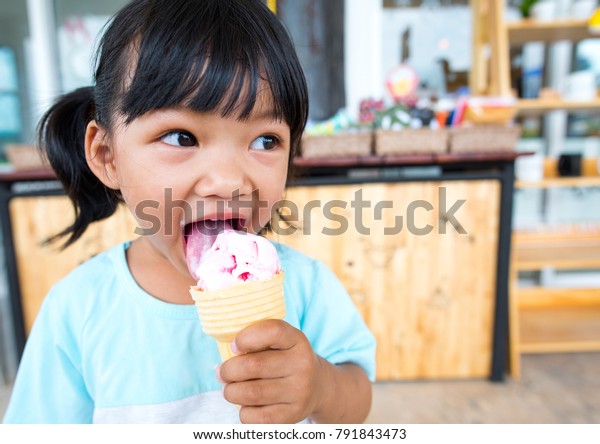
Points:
[[16, 176], [332, 162], [409, 159]]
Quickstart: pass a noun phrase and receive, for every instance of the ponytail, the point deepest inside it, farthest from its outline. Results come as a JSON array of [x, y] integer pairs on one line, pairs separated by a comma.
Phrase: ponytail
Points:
[[61, 135]]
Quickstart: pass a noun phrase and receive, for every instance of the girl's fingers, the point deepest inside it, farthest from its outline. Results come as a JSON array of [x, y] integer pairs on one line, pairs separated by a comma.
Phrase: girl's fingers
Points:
[[270, 334], [270, 414], [259, 392], [266, 364]]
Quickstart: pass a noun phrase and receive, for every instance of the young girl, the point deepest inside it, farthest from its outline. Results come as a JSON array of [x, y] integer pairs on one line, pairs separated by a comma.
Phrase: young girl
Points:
[[200, 102]]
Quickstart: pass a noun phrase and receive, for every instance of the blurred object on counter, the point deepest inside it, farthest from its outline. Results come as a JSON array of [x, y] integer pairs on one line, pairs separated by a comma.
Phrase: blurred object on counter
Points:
[[337, 145], [339, 136], [569, 165], [580, 86], [526, 6], [395, 117], [531, 127], [453, 80], [402, 82], [490, 110], [530, 168], [583, 9], [543, 10], [549, 93], [413, 125], [369, 109], [404, 129], [411, 141], [339, 122], [484, 138], [594, 22], [583, 125], [25, 157]]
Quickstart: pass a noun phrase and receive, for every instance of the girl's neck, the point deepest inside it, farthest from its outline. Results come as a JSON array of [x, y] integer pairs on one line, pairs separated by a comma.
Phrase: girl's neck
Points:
[[156, 275]]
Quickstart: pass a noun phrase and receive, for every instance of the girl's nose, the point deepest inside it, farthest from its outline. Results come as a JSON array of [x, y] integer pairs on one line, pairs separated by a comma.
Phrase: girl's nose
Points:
[[224, 175]]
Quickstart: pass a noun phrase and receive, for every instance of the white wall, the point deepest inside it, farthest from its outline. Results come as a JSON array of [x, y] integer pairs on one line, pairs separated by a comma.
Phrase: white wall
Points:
[[362, 52], [41, 56]]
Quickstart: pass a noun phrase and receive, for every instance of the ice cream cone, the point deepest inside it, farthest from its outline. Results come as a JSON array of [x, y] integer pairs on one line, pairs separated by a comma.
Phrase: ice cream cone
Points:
[[224, 313]]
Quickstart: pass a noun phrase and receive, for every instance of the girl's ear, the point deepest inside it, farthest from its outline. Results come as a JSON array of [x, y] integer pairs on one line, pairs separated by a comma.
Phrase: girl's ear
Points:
[[100, 156]]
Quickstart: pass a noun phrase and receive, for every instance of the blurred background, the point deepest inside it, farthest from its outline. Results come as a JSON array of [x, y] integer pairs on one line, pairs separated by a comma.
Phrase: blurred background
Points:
[[349, 50]]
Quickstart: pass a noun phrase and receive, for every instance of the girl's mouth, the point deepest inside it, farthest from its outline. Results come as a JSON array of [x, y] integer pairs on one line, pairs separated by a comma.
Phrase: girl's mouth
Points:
[[199, 236]]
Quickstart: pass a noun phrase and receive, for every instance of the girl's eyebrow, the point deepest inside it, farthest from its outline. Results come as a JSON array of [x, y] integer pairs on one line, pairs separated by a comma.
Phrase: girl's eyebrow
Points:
[[266, 114]]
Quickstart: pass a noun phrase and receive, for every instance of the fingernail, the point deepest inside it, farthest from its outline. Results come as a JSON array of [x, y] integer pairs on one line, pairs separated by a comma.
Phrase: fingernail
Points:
[[234, 348], [218, 373]]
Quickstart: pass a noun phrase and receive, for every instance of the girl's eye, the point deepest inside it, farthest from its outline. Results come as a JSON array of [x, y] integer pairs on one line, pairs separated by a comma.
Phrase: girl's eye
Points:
[[179, 138], [265, 143]]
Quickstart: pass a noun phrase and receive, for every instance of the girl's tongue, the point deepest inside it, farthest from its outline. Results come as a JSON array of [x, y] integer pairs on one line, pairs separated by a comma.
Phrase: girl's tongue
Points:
[[218, 256], [199, 238]]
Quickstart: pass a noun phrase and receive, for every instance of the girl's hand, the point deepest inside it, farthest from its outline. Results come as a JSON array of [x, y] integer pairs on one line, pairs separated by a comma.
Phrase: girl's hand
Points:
[[276, 377]]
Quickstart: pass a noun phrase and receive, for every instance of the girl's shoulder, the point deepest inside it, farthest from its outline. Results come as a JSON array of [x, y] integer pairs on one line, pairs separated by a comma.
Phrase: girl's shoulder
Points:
[[100, 266], [92, 278], [293, 261], [290, 254], [85, 292], [304, 272]]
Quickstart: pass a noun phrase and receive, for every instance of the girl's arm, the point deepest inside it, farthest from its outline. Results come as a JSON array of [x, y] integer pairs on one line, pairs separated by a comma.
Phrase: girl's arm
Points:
[[346, 395]]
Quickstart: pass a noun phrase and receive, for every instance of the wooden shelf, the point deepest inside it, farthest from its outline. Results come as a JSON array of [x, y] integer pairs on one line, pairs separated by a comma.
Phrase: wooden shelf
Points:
[[526, 31], [567, 255], [539, 297], [563, 182], [564, 233], [590, 176], [540, 106], [541, 319], [564, 329]]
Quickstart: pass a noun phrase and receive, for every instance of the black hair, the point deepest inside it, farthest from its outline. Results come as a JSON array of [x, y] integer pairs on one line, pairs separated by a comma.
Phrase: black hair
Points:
[[207, 55]]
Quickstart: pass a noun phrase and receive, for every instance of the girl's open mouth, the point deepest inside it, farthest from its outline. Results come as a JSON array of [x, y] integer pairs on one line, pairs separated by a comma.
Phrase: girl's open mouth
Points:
[[199, 236]]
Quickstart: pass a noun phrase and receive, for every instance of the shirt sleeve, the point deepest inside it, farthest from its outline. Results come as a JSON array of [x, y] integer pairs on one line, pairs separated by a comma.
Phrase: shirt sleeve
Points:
[[49, 387], [334, 326]]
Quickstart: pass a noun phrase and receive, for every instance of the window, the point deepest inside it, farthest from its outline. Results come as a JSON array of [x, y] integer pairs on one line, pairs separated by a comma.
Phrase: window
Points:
[[10, 107]]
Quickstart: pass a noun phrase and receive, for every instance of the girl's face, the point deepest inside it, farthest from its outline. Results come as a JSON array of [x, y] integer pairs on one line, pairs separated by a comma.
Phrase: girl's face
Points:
[[178, 166]]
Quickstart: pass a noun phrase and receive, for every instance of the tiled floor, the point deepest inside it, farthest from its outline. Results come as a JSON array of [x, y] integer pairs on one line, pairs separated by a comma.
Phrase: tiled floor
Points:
[[561, 388]]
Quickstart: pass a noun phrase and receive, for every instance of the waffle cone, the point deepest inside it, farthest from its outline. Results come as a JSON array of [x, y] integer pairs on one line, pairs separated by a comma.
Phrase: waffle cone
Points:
[[225, 350], [224, 313]]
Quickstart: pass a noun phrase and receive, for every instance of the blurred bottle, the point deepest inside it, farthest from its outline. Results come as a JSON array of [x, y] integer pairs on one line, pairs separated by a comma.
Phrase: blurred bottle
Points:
[[533, 70]]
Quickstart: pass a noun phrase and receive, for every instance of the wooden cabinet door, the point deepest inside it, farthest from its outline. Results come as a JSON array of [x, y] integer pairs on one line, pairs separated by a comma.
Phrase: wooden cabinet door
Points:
[[34, 219], [427, 297]]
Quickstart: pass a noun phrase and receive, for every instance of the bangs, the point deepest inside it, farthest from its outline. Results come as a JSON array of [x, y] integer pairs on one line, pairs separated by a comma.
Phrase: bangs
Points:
[[213, 56]]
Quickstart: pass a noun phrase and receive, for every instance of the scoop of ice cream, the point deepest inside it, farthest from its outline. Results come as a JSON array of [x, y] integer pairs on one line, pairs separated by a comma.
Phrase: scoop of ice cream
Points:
[[236, 257], [199, 238]]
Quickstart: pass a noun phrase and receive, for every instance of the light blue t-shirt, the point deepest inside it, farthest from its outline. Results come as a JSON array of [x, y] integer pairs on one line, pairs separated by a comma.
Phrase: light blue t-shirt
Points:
[[103, 350]]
